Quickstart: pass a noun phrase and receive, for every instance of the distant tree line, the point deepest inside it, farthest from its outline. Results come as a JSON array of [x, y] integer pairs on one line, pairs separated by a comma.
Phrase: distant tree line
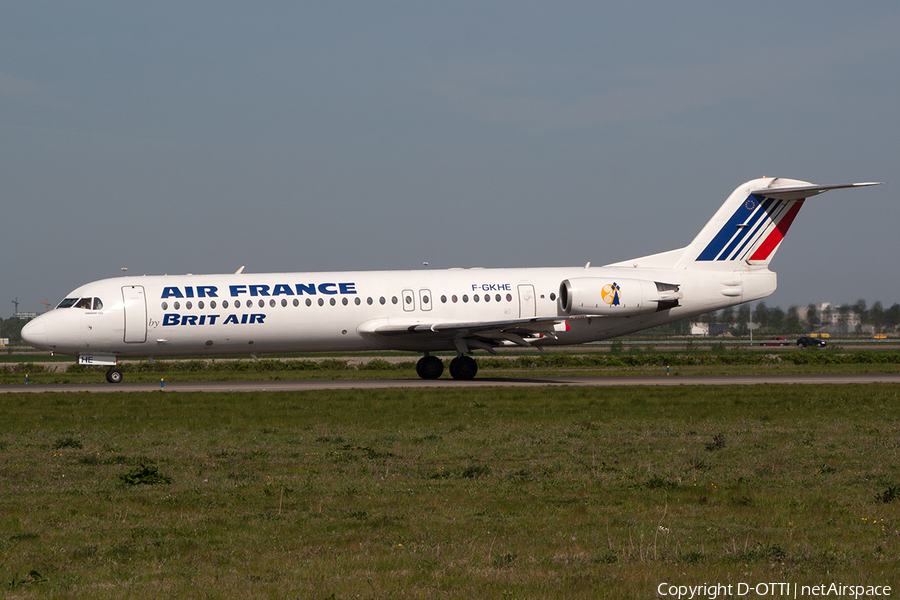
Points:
[[846, 319], [12, 329]]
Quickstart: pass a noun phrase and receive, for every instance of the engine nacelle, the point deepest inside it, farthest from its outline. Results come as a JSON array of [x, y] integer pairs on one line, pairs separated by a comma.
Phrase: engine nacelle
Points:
[[615, 297]]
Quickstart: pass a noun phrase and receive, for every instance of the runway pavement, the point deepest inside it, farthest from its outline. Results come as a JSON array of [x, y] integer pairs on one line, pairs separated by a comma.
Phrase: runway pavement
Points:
[[346, 384]]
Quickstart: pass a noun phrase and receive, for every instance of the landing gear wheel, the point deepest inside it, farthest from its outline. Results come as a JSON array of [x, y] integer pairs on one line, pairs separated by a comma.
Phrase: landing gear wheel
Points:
[[429, 367], [114, 376], [463, 368]]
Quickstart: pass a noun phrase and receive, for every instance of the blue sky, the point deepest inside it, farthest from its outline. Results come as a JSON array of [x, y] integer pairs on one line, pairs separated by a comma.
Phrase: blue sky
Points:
[[174, 137]]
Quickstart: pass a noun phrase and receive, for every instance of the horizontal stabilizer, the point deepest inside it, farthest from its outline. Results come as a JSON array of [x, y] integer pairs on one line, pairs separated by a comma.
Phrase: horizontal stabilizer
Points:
[[806, 191]]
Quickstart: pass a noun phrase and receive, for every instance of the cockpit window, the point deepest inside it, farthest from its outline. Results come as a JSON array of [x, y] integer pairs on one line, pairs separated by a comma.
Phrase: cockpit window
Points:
[[97, 304], [84, 303], [67, 303]]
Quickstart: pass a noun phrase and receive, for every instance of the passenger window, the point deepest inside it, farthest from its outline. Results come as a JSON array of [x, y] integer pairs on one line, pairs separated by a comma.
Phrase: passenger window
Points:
[[444, 299], [498, 298], [262, 303], [321, 302], [283, 302], [177, 305], [357, 301], [476, 297], [487, 297], [465, 297], [188, 305], [296, 302], [509, 297], [369, 300], [394, 299], [553, 296], [333, 302], [200, 305], [224, 304], [381, 299], [165, 306], [308, 302], [344, 301], [212, 303], [453, 298]]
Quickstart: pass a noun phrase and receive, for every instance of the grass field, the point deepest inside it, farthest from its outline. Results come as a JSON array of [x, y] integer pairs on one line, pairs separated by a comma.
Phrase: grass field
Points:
[[497, 493]]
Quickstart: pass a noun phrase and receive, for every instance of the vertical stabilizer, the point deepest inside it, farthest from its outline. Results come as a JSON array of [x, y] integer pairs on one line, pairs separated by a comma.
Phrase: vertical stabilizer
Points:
[[749, 227]]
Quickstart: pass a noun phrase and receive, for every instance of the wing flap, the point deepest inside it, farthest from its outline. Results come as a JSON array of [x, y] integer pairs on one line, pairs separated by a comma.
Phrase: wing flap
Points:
[[475, 333]]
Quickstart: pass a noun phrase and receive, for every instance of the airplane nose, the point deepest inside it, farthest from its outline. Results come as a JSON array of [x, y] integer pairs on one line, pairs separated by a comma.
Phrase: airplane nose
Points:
[[35, 333]]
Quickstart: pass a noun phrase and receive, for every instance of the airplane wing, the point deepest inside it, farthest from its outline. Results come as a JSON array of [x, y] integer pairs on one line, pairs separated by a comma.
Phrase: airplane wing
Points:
[[484, 335]]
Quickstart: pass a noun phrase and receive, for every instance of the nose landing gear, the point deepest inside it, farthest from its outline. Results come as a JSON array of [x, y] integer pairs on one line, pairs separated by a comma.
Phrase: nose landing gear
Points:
[[114, 376]]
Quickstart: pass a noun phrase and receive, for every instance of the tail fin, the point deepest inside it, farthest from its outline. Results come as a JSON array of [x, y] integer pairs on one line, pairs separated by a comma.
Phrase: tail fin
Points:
[[750, 226]]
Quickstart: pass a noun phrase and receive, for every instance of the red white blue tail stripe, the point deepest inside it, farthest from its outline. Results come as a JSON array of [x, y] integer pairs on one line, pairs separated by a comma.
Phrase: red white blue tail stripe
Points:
[[754, 231]]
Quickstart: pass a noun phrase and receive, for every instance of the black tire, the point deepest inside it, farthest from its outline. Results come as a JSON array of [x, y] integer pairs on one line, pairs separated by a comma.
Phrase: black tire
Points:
[[114, 376], [463, 368], [429, 367]]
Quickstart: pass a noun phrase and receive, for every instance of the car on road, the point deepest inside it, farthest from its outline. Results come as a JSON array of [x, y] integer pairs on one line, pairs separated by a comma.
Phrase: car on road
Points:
[[775, 341], [807, 342]]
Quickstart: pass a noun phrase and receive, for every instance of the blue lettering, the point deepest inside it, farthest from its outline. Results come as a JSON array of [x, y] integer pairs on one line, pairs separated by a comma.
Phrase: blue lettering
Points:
[[170, 319], [231, 319], [243, 319], [324, 288], [256, 318], [259, 290], [212, 319], [189, 320], [347, 288], [188, 292], [282, 288], [309, 289], [172, 292], [237, 290], [207, 291]]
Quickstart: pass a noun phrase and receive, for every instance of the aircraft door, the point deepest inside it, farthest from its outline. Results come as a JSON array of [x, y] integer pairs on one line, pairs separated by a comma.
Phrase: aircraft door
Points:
[[527, 303], [135, 307], [409, 300], [425, 299]]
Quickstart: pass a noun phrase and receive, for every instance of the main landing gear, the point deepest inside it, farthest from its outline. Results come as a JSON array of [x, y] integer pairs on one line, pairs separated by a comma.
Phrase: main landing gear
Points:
[[114, 376], [461, 367]]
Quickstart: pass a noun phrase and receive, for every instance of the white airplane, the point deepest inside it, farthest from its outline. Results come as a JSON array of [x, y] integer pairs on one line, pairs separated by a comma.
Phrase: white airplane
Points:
[[431, 310]]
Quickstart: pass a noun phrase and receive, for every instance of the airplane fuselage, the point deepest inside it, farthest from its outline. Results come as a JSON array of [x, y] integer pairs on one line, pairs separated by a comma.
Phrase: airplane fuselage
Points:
[[342, 311]]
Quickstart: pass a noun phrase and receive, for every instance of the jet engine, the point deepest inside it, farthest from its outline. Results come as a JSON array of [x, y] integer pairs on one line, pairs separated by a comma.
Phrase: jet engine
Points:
[[616, 297]]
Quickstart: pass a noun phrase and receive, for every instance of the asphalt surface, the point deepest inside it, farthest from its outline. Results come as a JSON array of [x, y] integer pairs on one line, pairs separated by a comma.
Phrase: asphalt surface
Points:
[[364, 384]]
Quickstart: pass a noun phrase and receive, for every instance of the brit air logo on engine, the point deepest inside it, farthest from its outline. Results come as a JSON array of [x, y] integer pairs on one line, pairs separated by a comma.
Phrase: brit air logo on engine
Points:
[[279, 289]]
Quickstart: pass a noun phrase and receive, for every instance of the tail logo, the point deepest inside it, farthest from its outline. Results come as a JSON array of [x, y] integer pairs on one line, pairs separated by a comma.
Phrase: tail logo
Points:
[[753, 231], [610, 294]]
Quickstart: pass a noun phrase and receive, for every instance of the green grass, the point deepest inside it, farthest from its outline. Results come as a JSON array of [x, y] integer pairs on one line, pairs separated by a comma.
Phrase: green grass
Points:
[[457, 493], [636, 361]]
